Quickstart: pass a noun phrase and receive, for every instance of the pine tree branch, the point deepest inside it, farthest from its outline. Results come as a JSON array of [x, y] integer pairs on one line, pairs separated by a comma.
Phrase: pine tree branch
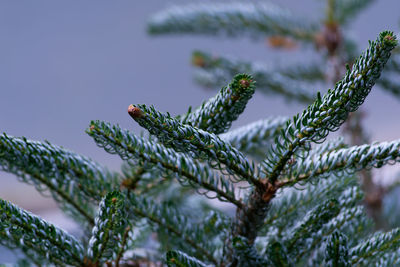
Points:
[[253, 138], [375, 246], [389, 259], [180, 259], [70, 177], [277, 254], [328, 113], [130, 147], [33, 170], [217, 114], [293, 204], [215, 71], [200, 144], [337, 252], [174, 222], [108, 231], [233, 19], [348, 214], [351, 221], [310, 224], [347, 160], [24, 230], [246, 254]]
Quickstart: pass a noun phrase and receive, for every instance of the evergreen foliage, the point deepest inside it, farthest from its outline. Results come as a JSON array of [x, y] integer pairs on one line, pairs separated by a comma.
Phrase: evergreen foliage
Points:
[[296, 196]]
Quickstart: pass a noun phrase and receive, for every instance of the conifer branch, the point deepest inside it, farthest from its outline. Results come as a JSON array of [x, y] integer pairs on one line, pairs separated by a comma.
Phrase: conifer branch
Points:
[[217, 114], [344, 220], [201, 145], [292, 204], [328, 113], [310, 224], [173, 221], [62, 172], [107, 233], [375, 246], [131, 147], [180, 259], [388, 259], [246, 254], [346, 159], [253, 137], [22, 229], [337, 253], [217, 70], [232, 20], [278, 255]]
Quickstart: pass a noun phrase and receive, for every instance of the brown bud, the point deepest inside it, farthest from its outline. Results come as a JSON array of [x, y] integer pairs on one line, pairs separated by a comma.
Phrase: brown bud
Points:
[[198, 61], [389, 38], [113, 200], [244, 83], [91, 127], [278, 41], [135, 112]]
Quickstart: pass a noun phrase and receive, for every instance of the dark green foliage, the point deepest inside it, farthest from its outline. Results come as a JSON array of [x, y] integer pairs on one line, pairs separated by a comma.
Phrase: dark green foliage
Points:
[[337, 251], [200, 144], [216, 115], [255, 138], [185, 229], [38, 239], [245, 254], [301, 234], [108, 230], [130, 147], [73, 180], [278, 255], [232, 20], [292, 198], [326, 114], [375, 246], [214, 71], [180, 259]]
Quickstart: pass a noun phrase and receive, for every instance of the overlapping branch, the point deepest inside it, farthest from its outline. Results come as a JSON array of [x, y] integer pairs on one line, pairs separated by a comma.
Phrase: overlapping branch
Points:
[[130, 147], [198, 143], [235, 19], [326, 114], [217, 114], [216, 70], [37, 238]]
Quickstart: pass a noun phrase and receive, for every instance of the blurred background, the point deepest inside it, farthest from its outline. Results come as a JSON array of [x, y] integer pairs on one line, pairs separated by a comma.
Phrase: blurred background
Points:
[[64, 63]]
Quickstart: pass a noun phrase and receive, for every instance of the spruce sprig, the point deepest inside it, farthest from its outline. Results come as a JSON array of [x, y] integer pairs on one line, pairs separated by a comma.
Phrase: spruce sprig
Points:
[[130, 147], [108, 230], [326, 114], [344, 160], [337, 252], [216, 70], [75, 181], [236, 18], [198, 143], [37, 238], [217, 114]]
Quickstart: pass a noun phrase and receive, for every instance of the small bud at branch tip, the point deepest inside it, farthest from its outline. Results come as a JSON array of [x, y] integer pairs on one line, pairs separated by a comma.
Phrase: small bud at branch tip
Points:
[[244, 83], [135, 112]]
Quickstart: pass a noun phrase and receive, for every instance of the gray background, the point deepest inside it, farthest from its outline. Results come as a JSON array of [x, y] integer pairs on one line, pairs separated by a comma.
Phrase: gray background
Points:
[[64, 63]]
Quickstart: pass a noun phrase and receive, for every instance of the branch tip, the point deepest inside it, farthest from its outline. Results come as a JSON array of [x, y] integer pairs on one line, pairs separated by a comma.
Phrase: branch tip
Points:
[[135, 112], [245, 83]]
